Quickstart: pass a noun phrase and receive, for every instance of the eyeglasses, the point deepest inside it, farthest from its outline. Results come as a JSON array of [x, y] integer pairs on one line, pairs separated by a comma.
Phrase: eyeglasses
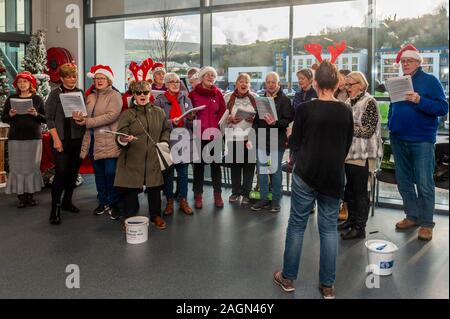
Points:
[[142, 92], [173, 82], [348, 85], [100, 79], [408, 61]]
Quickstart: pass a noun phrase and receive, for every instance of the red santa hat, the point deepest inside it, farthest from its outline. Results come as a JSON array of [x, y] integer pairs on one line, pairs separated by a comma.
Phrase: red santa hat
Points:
[[158, 67], [408, 51], [27, 76], [101, 69]]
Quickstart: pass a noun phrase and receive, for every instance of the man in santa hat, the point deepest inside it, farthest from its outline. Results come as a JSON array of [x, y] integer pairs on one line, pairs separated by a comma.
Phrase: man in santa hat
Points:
[[413, 126]]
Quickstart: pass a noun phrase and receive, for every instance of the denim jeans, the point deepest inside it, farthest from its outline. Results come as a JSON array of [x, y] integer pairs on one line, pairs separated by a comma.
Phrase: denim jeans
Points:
[[302, 201], [274, 167], [182, 181], [105, 172], [414, 164]]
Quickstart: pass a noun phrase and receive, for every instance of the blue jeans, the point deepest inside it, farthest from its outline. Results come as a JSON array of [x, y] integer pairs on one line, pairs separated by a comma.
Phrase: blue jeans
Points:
[[274, 168], [302, 201], [182, 181], [414, 164], [105, 172]]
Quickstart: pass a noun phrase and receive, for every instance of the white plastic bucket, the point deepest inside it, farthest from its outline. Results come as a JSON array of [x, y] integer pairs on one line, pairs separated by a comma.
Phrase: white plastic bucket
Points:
[[381, 255], [137, 229]]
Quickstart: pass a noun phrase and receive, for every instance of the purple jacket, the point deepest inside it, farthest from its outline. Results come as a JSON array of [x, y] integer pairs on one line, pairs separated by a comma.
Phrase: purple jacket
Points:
[[215, 107]]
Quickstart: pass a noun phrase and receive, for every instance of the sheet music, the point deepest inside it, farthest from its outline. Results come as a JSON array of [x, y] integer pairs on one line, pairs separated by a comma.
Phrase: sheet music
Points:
[[266, 105], [73, 102], [195, 109], [398, 87], [21, 105]]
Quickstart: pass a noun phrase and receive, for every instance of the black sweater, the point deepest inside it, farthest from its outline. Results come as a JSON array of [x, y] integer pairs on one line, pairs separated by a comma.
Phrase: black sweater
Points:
[[321, 137], [24, 126]]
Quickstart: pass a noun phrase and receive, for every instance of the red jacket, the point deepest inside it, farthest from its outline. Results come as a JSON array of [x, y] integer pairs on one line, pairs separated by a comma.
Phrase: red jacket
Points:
[[215, 107]]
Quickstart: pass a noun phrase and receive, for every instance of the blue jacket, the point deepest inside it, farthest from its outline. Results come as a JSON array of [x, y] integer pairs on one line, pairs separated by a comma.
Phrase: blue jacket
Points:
[[303, 96], [413, 122]]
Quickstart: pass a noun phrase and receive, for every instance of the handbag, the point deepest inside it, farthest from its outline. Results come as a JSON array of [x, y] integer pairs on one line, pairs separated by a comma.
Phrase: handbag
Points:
[[162, 150]]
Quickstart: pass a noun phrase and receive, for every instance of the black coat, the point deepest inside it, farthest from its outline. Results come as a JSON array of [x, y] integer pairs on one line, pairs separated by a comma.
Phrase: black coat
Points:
[[285, 113]]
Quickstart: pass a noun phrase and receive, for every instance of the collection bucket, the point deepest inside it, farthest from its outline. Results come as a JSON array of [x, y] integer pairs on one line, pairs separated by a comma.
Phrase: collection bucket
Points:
[[137, 229], [381, 255]]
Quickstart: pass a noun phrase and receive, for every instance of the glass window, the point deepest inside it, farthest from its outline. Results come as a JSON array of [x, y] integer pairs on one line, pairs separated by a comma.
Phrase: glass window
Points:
[[397, 23], [249, 41], [15, 16], [12, 54], [221, 2], [2, 16], [174, 41], [102, 8], [329, 23]]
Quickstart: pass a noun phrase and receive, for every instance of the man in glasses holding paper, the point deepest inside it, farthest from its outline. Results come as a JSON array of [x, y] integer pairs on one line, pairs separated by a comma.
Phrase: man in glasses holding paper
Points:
[[413, 125]]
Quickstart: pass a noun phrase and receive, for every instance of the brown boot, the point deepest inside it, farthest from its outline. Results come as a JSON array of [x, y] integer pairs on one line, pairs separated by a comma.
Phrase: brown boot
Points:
[[343, 212], [425, 233], [184, 206], [405, 224], [169, 207], [159, 222]]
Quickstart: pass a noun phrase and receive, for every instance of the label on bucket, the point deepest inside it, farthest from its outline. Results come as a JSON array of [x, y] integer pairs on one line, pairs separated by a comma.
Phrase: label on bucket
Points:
[[386, 264]]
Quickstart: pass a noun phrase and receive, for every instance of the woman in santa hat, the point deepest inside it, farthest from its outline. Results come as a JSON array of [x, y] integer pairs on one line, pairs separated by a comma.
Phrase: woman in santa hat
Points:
[[24, 140], [103, 110], [159, 72]]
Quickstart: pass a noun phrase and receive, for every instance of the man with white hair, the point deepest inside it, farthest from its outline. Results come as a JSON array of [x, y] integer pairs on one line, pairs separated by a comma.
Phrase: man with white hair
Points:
[[413, 126], [285, 114]]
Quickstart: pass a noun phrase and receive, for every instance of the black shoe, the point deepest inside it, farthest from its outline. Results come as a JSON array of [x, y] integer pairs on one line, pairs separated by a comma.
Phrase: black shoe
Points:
[[114, 213], [354, 233], [346, 225], [261, 204], [22, 201], [30, 200], [275, 206], [70, 208], [101, 209], [55, 215]]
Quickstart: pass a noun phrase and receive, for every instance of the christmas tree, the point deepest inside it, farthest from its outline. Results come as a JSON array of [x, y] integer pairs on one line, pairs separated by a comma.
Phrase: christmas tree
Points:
[[4, 86], [35, 62]]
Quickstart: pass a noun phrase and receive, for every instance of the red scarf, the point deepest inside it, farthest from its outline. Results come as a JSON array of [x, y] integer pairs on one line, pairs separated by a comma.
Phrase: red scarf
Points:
[[175, 110], [213, 91]]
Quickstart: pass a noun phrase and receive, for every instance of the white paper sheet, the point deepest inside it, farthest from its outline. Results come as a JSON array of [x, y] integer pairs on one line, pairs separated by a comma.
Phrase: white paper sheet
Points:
[[398, 87], [243, 114], [73, 102], [21, 105], [195, 109], [223, 121], [266, 105]]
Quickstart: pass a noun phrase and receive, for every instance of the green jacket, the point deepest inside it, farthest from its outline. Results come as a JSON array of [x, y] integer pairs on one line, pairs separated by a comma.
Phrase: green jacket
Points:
[[138, 162]]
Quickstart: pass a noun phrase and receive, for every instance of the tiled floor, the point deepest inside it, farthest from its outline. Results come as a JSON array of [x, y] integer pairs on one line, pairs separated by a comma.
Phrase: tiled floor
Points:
[[216, 253]]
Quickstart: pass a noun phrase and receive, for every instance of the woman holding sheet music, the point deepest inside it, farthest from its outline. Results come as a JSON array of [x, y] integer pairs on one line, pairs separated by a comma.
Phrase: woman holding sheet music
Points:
[[103, 108], [206, 93], [24, 112], [241, 101], [175, 103], [66, 137]]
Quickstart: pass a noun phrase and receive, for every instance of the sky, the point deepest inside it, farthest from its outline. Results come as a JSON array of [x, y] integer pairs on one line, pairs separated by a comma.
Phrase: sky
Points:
[[245, 27]]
